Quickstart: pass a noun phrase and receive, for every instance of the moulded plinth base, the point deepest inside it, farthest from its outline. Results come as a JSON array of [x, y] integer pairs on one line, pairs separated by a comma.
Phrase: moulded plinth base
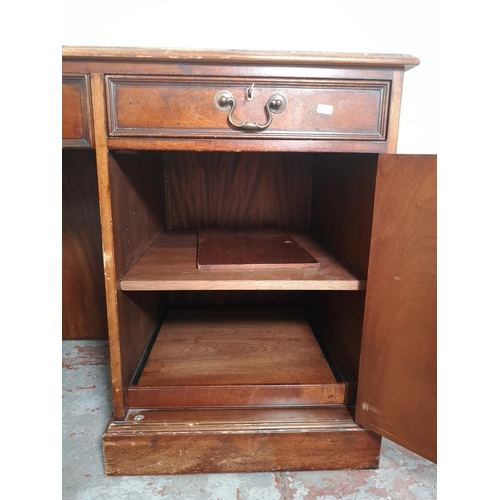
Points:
[[158, 442]]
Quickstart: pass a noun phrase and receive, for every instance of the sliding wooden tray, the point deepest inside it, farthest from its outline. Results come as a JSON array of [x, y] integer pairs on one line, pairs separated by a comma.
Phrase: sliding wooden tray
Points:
[[248, 358]]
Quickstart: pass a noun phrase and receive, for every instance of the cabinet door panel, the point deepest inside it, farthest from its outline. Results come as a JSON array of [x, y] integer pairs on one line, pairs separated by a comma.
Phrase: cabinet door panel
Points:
[[397, 379]]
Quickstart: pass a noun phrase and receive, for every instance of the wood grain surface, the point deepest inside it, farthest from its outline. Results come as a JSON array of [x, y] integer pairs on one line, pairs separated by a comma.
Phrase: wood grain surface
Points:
[[323, 109], [83, 301], [137, 199], [337, 320], [240, 190], [397, 380], [117, 365], [215, 441], [144, 54], [342, 205], [236, 396], [250, 249], [341, 219], [159, 92], [250, 347]]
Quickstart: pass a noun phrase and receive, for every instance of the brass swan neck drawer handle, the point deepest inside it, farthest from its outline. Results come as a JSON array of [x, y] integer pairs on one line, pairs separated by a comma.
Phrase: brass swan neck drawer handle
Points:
[[224, 101]]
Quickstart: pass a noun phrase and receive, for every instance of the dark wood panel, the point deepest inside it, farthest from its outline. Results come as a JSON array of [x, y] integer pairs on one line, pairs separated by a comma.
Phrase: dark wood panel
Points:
[[76, 114], [153, 106], [250, 249], [397, 382], [83, 301], [240, 190], [208, 441]]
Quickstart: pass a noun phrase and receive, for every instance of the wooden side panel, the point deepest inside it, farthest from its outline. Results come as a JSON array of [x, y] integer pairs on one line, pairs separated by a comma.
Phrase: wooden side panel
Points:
[[137, 199], [342, 205], [342, 209], [83, 300], [76, 115], [138, 202], [208, 441], [397, 382], [337, 321]]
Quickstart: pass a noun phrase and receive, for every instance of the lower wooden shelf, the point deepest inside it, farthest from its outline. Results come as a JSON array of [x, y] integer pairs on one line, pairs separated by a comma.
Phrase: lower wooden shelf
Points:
[[213, 441], [235, 358]]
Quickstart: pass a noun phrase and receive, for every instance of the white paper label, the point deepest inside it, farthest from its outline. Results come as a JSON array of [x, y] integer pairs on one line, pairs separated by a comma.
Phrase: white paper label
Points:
[[324, 109]]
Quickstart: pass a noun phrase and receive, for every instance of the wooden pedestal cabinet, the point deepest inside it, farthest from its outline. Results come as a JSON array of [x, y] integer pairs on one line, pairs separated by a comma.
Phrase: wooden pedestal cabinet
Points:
[[265, 262]]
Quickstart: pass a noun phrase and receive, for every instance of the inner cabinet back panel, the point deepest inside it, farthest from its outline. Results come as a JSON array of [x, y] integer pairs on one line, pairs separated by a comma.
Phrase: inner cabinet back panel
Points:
[[240, 190]]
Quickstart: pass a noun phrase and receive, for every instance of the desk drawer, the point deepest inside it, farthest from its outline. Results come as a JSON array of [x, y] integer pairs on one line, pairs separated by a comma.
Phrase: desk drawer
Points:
[[76, 114], [340, 110]]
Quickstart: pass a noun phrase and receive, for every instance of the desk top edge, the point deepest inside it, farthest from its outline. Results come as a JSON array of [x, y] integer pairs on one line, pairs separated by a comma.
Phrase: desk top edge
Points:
[[240, 56]]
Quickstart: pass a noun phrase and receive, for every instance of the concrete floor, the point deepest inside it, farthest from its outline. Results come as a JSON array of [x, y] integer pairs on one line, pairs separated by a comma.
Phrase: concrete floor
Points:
[[86, 408]]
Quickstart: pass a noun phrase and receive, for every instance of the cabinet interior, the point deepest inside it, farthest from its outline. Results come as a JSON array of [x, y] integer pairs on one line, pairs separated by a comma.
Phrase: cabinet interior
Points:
[[240, 338]]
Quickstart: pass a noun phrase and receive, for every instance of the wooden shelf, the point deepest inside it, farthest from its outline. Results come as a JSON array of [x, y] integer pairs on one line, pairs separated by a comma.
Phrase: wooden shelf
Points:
[[170, 264], [232, 358]]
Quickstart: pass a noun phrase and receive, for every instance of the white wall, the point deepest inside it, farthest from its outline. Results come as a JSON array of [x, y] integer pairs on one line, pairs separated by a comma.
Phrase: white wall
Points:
[[384, 26]]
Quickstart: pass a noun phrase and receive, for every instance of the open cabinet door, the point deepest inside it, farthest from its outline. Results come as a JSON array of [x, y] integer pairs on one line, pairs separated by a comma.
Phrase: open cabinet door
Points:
[[397, 379]]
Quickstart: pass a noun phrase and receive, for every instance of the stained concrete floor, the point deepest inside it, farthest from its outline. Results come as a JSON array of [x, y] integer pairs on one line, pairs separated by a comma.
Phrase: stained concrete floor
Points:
[[86, 410]]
